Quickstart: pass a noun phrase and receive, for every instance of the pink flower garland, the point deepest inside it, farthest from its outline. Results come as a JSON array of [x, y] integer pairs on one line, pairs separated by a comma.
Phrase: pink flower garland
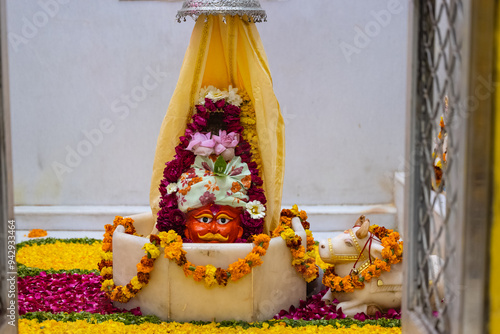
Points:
[[169, 216]]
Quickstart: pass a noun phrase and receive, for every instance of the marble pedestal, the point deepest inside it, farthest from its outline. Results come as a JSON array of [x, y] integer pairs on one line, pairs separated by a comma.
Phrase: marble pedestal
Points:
[[170, 295]]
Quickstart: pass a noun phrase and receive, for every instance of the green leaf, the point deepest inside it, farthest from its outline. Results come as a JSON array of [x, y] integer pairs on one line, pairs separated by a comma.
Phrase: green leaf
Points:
[[125, 318], [220, 166], [23, 271], [130, 319]]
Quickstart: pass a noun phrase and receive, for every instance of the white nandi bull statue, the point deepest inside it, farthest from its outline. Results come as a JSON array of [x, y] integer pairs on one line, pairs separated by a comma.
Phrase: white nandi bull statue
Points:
[[352, 252]]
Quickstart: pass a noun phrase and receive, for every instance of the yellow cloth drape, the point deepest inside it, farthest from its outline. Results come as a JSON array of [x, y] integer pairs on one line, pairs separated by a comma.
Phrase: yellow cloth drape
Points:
[[223, 54]]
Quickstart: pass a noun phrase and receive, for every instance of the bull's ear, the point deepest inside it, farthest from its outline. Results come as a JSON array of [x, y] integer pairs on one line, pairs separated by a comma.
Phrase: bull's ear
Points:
[[362, 232]]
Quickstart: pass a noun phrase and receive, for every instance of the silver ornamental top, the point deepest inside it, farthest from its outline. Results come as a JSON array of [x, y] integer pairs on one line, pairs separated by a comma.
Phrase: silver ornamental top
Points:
[[195, 8]]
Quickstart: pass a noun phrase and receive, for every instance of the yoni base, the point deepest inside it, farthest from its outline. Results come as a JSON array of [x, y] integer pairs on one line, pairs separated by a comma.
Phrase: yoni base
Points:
[[170, 295]]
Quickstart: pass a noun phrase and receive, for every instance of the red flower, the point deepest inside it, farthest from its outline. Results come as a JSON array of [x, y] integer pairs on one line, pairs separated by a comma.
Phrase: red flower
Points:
[[173, 170]]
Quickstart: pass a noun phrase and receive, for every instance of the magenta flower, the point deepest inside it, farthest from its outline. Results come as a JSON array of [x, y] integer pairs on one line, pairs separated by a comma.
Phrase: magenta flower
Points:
[[64, 293], [201, 144], [315, 308]]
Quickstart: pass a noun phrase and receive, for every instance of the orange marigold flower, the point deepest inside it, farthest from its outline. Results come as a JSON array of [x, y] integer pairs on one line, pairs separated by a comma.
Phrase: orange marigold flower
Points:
[[143, 277], [37, 232], [107, 247], [145, 261], [187, 268], [296, 241], [357, 283], [117, 220], [238, 269], [253, 259], [336, 283], [310, 243], [299, 252], [346, 284], [259, 250], [303, 215], [221, 276], [382, 265], [143, 269], [109, 228], [287, 221], [306, 225], [199, 273], [262, 239], [154, 239], [277, 231]]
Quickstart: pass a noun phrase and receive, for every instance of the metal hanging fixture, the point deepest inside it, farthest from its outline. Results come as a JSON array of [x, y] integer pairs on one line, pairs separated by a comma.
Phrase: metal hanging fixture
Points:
[[250, 9]]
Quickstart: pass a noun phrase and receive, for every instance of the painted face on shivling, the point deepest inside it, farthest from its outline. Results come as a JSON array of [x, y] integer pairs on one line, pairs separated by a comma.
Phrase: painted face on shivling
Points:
[[214, 223]]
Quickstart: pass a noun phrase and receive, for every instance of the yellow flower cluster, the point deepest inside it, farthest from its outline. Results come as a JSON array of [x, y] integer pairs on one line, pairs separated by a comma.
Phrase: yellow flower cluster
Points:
[[152, 251], [210, 279], [60, 255], [172, 242], [107, 285], [112, 327], [247, 120]]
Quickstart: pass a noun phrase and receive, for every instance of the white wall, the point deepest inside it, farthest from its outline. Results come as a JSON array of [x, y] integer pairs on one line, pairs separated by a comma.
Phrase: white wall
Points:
[[344, 115]]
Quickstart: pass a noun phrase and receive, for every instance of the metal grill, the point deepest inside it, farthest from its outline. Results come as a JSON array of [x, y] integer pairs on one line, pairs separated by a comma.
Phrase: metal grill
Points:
[[439, 65], [444, 197]]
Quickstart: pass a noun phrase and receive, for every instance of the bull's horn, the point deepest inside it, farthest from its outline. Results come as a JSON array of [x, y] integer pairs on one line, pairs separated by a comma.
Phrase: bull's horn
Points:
[[360, 221], [362, 232]]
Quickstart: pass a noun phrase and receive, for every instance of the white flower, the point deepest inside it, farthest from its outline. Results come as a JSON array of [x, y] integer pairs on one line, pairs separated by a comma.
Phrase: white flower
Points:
[[172, 188], [256, 209], [203, 93], [216, 94], [233, 97]]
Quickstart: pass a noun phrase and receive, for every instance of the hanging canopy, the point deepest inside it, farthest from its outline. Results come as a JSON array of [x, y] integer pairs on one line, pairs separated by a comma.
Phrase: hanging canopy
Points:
[[226, 51]]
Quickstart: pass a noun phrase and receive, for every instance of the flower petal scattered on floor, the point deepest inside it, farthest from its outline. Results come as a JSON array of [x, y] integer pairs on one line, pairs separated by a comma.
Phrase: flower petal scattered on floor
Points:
[[36, 233], [63, 293], [60, 255], [111, 327], [315, 309]]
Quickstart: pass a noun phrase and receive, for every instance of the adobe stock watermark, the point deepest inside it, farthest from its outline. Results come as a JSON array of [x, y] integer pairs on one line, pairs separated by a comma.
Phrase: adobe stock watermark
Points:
[[31, 27], [363, 37], [121, 107]]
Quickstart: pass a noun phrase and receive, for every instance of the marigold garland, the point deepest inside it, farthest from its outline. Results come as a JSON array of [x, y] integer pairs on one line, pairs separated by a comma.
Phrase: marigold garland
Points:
[[304, 260], [392, 254], [172, 243], [121, 293], [210, 274]]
